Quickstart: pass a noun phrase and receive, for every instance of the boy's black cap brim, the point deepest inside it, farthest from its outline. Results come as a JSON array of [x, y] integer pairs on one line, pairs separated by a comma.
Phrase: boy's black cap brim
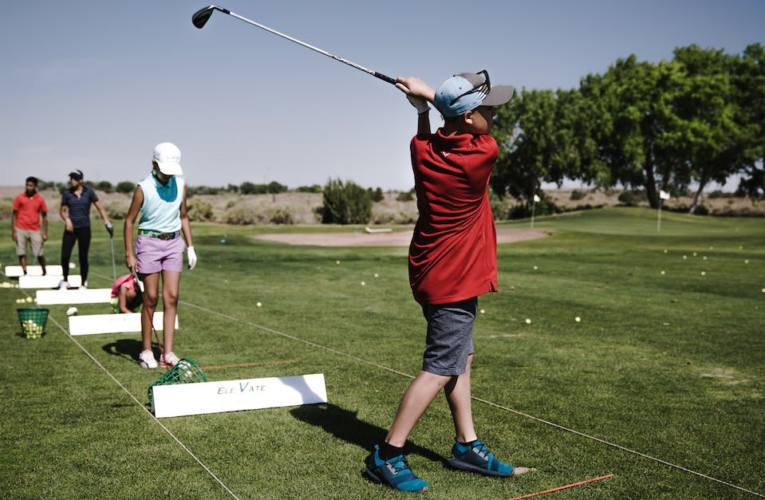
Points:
[[499, 95]]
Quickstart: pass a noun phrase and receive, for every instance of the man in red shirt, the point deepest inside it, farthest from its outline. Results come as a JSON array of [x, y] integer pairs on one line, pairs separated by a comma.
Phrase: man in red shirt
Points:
[[452, 260], [27, 208]]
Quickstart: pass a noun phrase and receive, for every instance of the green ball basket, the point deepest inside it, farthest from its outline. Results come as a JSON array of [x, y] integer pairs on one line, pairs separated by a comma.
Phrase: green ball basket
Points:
[[33, 321], [185, 372]]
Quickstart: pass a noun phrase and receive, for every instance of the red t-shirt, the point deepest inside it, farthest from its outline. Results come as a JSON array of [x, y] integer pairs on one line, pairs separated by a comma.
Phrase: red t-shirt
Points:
[[453, 254], [29, 210]]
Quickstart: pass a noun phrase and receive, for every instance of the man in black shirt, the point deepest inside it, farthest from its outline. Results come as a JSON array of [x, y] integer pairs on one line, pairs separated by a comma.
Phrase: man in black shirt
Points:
[[75, 211]]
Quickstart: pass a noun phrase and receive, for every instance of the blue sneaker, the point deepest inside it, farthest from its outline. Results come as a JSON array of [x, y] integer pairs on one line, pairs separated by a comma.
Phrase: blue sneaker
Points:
[[394, 472], [476, 458]]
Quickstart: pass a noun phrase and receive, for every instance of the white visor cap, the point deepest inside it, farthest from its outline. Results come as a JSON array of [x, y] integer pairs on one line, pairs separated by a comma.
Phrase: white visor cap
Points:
[[168, 157]]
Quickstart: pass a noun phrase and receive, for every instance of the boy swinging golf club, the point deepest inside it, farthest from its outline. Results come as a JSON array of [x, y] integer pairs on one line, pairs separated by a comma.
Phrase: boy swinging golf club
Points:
[[161, 199], [452, 260]]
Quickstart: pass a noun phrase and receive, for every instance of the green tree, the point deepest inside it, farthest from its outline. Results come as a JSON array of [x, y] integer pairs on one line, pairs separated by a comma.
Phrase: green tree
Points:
[[125, 187], [750, 91], [346, 203], [105, 186], [276, 188]]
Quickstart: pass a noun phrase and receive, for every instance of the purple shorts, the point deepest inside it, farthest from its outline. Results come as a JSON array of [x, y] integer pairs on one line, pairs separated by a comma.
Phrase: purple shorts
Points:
[[155, 255]]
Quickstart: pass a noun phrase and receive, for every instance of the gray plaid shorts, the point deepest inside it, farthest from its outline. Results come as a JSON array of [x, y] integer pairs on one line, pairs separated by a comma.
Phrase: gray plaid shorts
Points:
[[449, 341]]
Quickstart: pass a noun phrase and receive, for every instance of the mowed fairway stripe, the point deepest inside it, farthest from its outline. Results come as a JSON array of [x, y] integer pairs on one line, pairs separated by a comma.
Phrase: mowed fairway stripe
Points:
[[484, 401], [201, 464]]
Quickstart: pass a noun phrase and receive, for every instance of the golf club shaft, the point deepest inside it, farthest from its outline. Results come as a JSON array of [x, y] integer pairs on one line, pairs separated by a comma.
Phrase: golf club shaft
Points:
[[316, 49]]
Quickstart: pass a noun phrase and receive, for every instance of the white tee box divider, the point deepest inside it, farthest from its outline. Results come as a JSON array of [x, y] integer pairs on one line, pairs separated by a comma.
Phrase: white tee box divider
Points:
[[93, 324], [90, 296], [47, 281], [16, 271], [234, 395]]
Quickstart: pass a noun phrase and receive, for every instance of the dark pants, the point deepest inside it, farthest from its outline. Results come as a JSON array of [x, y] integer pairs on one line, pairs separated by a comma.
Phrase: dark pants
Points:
[[82, 236]]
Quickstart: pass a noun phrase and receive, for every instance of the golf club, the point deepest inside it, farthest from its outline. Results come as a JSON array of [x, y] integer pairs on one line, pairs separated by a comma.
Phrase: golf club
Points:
[[114, 265], [201, 17]]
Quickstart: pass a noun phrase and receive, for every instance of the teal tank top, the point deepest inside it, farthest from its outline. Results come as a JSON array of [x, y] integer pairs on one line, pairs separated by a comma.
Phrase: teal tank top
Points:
[[161, 209]]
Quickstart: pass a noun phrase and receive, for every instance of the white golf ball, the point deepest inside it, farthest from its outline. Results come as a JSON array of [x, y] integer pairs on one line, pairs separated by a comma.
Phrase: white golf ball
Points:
[[578, 319], [685, 257], [663, 273], [703, 273], [483, 311], [535, 268], [740, 247], [528, 321], [711, 248], [72, 265], [362, 283], [746, 261], [29, 299], [72, 311], [337, 262], [376, 275], [695, 254], [665, 250], [259, 304]]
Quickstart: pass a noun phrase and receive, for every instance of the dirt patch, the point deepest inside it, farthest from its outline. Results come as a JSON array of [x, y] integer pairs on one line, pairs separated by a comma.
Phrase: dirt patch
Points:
[[393, 239]]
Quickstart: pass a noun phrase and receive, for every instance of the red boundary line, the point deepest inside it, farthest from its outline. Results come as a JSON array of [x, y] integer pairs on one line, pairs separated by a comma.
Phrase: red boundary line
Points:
[[564, 487]]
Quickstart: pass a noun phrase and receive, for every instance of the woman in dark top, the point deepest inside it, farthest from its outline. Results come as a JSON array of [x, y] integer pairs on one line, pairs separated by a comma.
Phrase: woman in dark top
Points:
[[75, 211]]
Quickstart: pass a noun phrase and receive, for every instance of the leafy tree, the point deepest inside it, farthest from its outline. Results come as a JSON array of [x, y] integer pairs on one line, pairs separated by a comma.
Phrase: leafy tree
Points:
[[749, 81], [276, 188], [232, 188], [250, 188], [346, 203], [315, 188], [105, 186], [125, 187]]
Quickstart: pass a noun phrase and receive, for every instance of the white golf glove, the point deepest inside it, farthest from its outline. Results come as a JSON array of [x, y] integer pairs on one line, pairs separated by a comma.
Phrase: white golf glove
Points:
[[420, 104], [192, 258]]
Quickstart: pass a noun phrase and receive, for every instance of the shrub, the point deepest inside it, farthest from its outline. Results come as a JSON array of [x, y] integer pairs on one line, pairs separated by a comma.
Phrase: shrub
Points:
[[346, 203], [701, 210], [276, 188], [116, 210], [628, 198], [315, 188], [246, 214], [6, 209], [376, 195], [200, 211], [282, 215], [232, 188], [125, 187], [405, 195], [250, 188], [105, 186], [577, 195], [194, 190]]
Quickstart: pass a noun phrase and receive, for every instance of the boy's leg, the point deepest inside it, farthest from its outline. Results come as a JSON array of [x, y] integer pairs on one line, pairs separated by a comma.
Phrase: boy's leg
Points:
[[421, 392], [21, 249], [458, 395]]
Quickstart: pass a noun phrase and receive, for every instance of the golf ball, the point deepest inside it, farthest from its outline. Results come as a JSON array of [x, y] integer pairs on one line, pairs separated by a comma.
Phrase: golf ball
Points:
[[685, 257], [703, 273], [72, 265], [663, 273], [376, 275], [29, 299], [337, 262], [578, 319], [665, 250], [528, 321], [740, 247], [535, 268], [259, 304], [711, 248], [695, 254], [705, 257], [72, 311], [362, 283], [763, 290], [746, 261], [483, 311]]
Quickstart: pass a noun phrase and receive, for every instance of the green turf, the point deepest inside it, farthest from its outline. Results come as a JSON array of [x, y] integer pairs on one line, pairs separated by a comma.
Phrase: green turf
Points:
[[669, 365]]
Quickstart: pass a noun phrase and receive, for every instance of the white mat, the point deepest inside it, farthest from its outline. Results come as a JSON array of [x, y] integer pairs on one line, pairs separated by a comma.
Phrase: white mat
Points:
[[93, 324]]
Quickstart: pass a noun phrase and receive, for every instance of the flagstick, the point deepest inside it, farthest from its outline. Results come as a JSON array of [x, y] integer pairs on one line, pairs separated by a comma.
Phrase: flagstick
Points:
[[533, 204]]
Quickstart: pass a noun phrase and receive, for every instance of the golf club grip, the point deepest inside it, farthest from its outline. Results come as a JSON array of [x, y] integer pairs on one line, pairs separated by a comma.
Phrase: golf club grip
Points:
[[385, 78]]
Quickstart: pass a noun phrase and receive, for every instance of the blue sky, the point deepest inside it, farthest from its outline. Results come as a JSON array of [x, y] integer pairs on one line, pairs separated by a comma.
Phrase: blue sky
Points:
[[95, 85]]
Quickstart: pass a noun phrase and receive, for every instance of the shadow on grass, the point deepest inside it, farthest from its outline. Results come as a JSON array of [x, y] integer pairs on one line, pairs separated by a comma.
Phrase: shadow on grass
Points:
[[129, 349], [346, 425]]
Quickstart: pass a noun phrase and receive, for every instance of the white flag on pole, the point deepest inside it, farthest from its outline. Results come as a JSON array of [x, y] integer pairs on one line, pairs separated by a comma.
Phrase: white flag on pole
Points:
[[537, 199], [663, 195]]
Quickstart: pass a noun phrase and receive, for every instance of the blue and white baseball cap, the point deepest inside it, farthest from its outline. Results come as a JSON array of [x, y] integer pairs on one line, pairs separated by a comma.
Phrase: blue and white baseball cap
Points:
[[466, 91]]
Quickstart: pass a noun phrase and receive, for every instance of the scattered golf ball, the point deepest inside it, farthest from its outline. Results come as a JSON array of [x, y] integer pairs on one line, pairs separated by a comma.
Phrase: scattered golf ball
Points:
[[483, 311], [665, 250], [703, 273], [337, 262], [528, 321], [578, 319], [376, 275], [685, 257], [362, 283], [746, 261], [29, 299], [535, 268], [763, 290], [711, 248], [259, 304], [72, 265], [663, 273], [72, 311], [740, 247], [705, 257], [695, 254]]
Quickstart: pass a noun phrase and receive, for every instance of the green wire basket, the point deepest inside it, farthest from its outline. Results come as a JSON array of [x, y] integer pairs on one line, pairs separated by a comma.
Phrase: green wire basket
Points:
[[33, 321], [185, 372]]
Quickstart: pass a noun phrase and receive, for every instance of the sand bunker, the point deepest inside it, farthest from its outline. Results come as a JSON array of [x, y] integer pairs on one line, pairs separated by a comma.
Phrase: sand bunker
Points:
[[393, 239]]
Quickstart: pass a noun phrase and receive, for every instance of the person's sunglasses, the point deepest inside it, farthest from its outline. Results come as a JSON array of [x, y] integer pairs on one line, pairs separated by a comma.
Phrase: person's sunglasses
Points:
[[482, 88]]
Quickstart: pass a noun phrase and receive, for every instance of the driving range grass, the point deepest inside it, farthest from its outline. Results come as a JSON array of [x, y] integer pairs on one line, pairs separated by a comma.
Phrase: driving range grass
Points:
[[670, 365]]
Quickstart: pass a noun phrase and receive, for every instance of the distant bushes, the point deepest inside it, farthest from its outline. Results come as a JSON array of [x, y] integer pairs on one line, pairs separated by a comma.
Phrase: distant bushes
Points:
[[116, 210], [125, 187], [346, 203], [200, 211], [577, 195], [6, 209], [246, 214]]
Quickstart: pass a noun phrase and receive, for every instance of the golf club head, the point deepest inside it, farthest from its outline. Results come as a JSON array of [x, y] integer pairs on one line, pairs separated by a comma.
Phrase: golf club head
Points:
[[201, 16]]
